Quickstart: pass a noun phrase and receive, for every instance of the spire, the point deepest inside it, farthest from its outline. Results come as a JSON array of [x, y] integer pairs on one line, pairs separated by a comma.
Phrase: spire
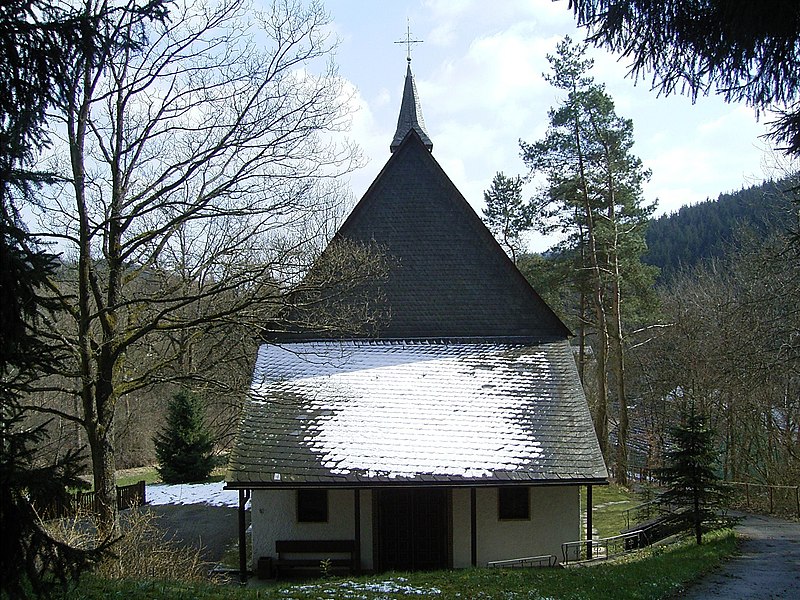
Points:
[[410, 109], [410, 115]]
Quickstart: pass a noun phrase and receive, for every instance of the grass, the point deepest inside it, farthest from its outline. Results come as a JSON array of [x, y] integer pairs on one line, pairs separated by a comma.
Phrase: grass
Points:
[[610, 502], [651, 574], [151, 476], [131, 476]]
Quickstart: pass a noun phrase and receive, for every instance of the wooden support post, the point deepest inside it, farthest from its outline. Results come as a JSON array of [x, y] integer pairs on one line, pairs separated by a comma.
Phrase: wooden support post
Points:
[[244, 496], [357, 531], [589, 523], [473, 519], [797, 499], [747, 494], [771, 500]]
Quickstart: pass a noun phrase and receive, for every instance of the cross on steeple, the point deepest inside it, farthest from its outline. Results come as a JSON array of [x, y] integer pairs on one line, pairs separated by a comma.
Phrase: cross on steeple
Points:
[[408, 41]]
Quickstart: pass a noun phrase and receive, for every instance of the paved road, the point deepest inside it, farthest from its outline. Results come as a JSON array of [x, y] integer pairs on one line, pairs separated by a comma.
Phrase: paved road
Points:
[[768, 566]]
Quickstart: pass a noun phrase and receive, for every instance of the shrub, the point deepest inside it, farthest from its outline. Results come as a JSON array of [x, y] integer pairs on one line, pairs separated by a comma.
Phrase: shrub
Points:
[[143, 551]]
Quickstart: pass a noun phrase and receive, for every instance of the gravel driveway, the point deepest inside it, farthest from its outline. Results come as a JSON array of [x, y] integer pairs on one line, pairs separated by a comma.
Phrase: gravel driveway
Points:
[[212, 529], [768, 566]]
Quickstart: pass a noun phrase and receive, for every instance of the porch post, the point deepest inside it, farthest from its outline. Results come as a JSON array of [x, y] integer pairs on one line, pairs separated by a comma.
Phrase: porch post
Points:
[[244, 496], [589, 504], [357, 532], [473, 518]]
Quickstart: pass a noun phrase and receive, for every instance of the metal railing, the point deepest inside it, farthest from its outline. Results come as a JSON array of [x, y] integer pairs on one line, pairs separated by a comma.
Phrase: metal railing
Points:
[[545, 560], [603, 548], [762, 497]]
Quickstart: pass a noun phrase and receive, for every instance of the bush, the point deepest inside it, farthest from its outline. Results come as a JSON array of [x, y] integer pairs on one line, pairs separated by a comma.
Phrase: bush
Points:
[[184, 447], [142, 552]]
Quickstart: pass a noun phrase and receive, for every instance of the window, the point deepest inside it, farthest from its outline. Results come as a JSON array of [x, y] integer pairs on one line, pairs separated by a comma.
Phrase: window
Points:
[[513, 503], [312, 506]]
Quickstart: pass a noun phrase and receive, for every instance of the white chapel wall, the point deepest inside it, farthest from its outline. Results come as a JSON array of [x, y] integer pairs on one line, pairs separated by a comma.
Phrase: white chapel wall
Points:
[[555, 518], [274, 517]]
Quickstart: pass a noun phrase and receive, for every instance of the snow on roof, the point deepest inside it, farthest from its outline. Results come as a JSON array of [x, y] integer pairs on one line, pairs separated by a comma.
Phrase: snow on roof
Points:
[[366, 411]]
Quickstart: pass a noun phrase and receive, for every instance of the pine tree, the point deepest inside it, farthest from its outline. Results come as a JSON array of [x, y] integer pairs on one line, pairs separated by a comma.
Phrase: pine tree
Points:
[[690, 477], [184, 447], [593, 194], [506, 214]]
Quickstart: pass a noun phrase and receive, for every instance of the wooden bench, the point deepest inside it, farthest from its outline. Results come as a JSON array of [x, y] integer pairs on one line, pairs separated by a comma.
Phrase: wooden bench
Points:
[[310, 554]]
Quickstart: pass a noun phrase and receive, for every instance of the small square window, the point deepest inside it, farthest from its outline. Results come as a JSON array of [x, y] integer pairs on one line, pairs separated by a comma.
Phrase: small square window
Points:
[[513, 503], [312, 506]]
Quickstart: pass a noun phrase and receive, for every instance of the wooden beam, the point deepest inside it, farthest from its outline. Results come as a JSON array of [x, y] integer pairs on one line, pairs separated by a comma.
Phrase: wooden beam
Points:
[[244, 496], [473, 518], [357, 532]]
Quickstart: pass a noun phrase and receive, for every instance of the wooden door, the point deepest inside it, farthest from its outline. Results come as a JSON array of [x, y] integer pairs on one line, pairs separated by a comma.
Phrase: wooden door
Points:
[[412, 529]]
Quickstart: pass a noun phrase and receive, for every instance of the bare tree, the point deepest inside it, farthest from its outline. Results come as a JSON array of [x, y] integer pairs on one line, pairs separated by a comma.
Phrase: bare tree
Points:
[[199, 166], [731, 349]]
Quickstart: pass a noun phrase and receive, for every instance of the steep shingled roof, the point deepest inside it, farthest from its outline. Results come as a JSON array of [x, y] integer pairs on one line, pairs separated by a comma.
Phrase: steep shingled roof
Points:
[[449, 276], [410, 115], [470, 380]]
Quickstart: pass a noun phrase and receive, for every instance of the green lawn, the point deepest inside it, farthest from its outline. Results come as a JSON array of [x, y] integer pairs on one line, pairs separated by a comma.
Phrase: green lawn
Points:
[[610, 503], [649, 574]]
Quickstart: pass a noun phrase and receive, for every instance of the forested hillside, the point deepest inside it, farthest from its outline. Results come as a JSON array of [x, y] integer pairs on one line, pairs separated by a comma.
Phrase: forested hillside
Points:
[[696, 233]]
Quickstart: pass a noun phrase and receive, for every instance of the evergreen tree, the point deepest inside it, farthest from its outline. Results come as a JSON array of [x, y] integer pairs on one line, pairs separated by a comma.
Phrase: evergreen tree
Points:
[[184, 447], [690, 477], [506, 214], [593, 194], [746, 51]]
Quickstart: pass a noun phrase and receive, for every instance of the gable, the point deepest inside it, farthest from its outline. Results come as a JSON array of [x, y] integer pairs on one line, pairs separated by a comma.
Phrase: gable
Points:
[[448, 276]]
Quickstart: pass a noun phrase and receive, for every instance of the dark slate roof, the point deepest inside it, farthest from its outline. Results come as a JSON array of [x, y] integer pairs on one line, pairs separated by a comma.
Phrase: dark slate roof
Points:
[[456, 412], [410, 115], [448, 276]]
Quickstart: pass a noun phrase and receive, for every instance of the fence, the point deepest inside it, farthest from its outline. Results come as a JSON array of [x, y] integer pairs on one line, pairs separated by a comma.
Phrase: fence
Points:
[[127, 497], [601, 548], [772, 499], [544, 560]]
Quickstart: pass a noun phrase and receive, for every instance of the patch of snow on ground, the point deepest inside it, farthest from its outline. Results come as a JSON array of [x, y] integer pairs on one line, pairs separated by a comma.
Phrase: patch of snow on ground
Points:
[[211, 494], [390, 586]]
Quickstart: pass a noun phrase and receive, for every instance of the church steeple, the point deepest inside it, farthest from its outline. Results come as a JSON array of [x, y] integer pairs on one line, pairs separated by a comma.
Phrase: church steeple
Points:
[[410, 114]]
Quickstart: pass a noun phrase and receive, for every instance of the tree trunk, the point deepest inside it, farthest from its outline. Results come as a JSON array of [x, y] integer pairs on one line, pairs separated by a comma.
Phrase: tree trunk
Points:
[[601, 327], [101, 442]]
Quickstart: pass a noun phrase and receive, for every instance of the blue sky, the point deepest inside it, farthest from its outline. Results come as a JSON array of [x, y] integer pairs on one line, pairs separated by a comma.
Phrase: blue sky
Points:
[[479, 77]]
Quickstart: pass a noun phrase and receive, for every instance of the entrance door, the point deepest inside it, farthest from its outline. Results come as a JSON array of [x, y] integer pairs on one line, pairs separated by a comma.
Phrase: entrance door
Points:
[[412, 527]]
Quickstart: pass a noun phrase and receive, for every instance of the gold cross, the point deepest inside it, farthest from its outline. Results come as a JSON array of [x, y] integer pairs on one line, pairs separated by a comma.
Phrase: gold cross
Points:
[[408, 41]]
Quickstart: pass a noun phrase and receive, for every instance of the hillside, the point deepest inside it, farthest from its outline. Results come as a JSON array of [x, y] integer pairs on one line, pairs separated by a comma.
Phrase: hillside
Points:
[[708, 230]]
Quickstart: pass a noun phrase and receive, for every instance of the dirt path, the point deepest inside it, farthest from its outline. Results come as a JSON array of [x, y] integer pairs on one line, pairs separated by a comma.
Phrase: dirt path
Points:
[[768, 566]]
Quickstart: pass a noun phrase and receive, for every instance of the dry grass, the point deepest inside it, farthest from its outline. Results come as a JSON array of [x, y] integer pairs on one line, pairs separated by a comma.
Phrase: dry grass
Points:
[[143, 550]]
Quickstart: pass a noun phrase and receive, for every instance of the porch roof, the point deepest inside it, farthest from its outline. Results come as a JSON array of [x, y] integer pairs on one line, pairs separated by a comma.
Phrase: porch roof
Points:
[[424, 412]]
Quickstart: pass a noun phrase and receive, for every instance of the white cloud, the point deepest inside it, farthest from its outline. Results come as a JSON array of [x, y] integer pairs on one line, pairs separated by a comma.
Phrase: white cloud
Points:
[[479, 75]]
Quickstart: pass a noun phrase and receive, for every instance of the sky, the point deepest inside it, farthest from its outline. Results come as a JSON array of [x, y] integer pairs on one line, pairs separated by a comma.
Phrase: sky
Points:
[[479, 74]]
